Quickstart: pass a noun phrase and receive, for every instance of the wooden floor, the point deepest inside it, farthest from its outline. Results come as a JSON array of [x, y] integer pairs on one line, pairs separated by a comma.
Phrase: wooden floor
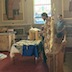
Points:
[[68, 62]]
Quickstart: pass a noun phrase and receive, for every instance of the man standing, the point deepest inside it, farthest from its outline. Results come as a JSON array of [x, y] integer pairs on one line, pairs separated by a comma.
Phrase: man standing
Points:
[[60, 28], [46, 30]]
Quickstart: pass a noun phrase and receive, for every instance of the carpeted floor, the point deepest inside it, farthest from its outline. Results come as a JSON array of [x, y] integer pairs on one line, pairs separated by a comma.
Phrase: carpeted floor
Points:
[[22, 65], [27, 64]]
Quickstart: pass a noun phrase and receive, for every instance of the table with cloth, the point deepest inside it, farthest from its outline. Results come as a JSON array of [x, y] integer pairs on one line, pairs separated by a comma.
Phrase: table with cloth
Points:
[[28, 48]]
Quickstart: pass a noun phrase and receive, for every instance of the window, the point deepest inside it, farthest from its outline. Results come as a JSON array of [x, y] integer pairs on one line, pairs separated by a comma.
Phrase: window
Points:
[[41, 6]]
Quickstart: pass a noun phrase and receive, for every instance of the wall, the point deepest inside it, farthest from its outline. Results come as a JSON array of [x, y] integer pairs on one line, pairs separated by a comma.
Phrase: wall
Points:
[[28, 14], [28, 11], [56, 8]]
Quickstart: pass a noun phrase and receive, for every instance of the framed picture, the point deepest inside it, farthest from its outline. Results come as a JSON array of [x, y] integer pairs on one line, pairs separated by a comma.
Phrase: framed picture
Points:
[[12, 10], [67, 9]]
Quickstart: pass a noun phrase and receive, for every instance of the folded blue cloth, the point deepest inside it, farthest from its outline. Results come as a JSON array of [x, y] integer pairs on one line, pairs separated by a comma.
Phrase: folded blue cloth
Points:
[[30, 50]]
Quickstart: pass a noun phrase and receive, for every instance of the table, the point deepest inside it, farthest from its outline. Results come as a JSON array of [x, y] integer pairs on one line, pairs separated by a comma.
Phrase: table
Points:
[[18, 48], [6, 40]]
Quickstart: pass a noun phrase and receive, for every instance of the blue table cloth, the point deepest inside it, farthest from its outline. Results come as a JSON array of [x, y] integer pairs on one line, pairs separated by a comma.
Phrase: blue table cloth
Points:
[[30, 50], [34, 50]]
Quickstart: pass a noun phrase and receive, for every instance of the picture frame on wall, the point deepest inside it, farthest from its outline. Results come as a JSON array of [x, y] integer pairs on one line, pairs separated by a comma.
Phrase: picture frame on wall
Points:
[[67, 9], [12, 10]]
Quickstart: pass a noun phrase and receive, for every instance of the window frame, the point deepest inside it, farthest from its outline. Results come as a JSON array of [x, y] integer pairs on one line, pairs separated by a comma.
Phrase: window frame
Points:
[[41, 13]]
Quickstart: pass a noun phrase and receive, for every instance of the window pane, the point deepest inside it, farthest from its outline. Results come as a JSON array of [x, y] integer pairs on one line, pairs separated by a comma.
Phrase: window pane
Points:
[[42, 2], [41, 6]]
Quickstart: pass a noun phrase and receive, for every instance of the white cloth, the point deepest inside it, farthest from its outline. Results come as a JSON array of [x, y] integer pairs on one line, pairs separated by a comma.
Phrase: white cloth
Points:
[[17, 47]]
